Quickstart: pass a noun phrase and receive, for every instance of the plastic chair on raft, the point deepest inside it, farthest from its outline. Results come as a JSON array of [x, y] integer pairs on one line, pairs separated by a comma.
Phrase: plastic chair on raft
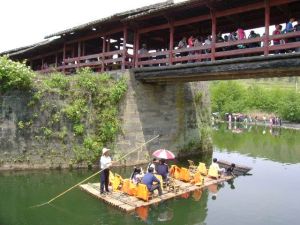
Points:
[[129, 187], [213, 172], [142, 192], [202, 169], [197, 179], [132, 189], [125, 186], [116, 182], [192, 166], [185, 174], [175, 172], [111, 177], [173, 186]]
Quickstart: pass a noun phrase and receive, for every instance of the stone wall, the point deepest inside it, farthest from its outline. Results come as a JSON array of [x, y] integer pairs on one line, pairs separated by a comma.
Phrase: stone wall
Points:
[[24, 142], [176, 111]]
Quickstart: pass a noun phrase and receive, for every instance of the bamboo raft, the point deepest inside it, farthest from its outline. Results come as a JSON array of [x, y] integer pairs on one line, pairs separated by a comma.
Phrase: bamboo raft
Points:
[[129, 203]]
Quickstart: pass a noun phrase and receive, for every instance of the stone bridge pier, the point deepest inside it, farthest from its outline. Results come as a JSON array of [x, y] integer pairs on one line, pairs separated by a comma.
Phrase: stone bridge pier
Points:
[[179, 112]]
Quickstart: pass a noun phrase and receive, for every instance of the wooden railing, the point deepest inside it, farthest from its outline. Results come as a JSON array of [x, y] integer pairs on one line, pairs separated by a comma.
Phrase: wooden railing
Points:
[[100, 62], [223, 50]]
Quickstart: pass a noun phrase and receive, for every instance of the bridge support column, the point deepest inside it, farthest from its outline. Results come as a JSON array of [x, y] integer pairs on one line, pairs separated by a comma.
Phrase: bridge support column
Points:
[[267, 27], [176, 111]]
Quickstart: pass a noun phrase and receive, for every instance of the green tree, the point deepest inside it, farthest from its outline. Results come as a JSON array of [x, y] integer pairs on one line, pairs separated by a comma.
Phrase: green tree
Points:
[[228, 96]]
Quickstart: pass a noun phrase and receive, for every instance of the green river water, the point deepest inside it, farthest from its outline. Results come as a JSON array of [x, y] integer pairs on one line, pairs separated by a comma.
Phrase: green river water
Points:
[[271, 195]]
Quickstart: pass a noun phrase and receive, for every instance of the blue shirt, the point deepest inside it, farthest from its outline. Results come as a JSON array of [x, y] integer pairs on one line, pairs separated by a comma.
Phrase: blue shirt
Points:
[[289, 27], [163, 170], [148, 180]]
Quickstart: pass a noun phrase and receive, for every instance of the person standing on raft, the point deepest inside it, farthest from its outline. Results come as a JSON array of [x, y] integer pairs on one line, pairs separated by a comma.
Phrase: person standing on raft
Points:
[[105, 164]]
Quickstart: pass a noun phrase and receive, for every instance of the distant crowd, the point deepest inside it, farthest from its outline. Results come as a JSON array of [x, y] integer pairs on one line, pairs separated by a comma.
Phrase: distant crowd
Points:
[[273, 120]]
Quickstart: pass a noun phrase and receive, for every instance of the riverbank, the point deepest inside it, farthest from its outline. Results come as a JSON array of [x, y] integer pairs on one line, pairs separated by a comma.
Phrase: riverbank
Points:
[[284, 125]]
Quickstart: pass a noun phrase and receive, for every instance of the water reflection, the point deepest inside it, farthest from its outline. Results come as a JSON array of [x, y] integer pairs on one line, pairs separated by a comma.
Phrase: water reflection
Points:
[[190, 208], [273, 143]]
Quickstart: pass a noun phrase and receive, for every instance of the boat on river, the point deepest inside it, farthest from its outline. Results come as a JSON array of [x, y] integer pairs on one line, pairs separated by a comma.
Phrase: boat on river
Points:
[[238, 170], [127, 196]]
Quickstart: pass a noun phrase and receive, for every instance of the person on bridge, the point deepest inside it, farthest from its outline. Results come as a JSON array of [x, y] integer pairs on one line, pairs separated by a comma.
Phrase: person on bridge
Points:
[[288, 29], [149, 180], [241, 36], [277, 31], [191, 41], [297, 28], [253, 35], [181, 45]]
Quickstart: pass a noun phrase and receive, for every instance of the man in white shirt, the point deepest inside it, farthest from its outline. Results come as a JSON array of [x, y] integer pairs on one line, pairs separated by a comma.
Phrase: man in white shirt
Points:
[[105, 163]]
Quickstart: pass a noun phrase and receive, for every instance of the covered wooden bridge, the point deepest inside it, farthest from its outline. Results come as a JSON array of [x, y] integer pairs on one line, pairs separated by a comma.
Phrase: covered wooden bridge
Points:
[[147, 38]]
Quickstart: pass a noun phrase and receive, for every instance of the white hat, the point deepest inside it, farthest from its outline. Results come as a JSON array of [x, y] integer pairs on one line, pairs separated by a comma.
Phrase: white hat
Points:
[[104, 150]]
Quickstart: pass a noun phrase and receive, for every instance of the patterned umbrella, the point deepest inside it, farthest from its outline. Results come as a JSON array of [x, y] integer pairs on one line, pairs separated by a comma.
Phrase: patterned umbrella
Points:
[[163, 154]]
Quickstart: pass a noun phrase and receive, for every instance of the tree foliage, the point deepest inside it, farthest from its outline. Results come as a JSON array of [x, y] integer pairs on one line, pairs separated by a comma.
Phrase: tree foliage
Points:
[[232, 96]]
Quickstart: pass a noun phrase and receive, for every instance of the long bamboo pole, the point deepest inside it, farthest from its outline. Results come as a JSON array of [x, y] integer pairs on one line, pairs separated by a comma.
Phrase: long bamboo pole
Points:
[[61, 194]]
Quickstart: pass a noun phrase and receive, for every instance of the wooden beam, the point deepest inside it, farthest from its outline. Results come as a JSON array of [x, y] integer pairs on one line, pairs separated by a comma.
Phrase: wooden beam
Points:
[[274, 65], [47, 54], [224, 13], [103, 51], [251, 7], [134, 46], [171, 47], [95, 35], [213, 33], [79, 49], [267, 27], [125, 32], [64, 52], [137, 46], [153, 28], [108, 43], [56, 56], [83, 48], [195, 19], [73, 52]]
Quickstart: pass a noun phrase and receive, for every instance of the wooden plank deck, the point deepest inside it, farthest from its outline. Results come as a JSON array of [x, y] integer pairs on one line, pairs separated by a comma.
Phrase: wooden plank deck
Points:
[[128, 203]]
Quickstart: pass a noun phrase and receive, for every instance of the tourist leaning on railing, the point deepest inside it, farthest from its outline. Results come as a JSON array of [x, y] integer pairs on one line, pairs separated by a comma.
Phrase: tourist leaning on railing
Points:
[[297, 28]]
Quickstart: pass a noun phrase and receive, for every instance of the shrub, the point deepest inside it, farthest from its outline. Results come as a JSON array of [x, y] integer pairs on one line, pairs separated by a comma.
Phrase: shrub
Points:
[[14, 75], [58, 80], [78, 129]]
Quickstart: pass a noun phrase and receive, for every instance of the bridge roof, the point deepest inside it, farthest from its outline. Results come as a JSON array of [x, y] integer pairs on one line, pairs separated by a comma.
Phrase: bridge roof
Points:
[[113, 18], [157, 14]]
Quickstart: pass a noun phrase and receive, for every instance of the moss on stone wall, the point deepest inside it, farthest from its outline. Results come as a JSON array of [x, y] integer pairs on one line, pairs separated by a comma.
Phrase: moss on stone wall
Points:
[[67, 119]]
